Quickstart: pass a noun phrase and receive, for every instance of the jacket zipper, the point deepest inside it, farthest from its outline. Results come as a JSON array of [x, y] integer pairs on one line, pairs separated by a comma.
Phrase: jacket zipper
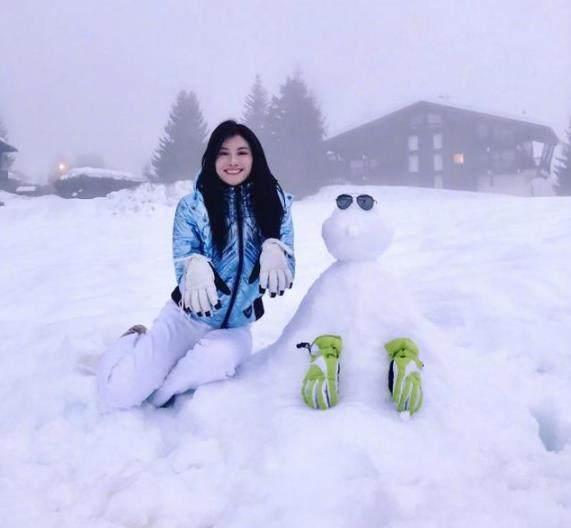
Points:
[[240, 257]]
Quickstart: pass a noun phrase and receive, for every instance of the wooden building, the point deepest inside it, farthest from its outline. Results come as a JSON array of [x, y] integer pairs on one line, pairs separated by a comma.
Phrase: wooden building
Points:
[[438, 145], [5, 150]]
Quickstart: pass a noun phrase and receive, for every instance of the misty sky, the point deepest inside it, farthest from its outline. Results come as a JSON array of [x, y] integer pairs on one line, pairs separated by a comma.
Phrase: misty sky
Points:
[[85, 76]]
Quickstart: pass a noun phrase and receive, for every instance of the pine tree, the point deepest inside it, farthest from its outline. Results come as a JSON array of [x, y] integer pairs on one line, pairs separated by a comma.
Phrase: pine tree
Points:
[[178, 156], [148, 174], [563, 169], [295, 129], [256, 109]]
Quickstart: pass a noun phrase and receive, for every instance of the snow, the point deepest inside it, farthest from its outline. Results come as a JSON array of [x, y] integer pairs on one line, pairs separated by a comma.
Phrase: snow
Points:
[[544, 186], [524, 183], [100, 173], [479, 281]]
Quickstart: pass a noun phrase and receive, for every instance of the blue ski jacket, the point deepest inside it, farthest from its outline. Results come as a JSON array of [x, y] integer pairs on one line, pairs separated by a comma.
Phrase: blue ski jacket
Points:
[[237, 267]]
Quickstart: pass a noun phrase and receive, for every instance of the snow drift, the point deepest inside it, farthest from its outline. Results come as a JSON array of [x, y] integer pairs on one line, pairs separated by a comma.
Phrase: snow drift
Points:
[[479, 281]]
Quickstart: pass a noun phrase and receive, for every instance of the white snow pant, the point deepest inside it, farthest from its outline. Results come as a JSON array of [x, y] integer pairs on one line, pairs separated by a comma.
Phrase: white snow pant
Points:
[[174, 356]]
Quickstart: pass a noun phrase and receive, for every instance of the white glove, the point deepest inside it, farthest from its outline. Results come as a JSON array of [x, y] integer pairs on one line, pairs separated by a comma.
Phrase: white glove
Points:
[[199, 295], [275, 274]]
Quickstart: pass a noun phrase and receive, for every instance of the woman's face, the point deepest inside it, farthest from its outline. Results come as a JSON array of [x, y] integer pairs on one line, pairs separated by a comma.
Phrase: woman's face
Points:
[[234, 161]]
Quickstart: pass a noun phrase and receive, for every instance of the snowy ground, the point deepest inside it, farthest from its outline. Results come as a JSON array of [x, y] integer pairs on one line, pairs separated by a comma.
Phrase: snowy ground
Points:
[[491, 447]]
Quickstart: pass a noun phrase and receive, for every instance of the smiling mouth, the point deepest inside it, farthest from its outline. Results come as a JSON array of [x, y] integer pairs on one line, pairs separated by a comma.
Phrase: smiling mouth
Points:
[[233, 172]]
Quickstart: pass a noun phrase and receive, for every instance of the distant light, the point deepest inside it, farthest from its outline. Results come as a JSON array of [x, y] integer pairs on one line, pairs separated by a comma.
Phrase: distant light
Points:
[[62, 167], [459, 158]]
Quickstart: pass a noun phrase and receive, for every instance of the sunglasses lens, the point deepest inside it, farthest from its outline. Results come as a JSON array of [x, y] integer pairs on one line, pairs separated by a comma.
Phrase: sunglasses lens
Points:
[[365, 202], [344, 201]]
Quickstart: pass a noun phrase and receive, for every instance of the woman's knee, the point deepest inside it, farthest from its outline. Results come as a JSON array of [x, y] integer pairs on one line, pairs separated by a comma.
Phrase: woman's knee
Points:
[[219, 355], [119, 386]]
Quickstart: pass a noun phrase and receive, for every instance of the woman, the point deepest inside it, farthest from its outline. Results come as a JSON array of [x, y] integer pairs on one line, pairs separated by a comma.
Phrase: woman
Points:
[[232, 241]]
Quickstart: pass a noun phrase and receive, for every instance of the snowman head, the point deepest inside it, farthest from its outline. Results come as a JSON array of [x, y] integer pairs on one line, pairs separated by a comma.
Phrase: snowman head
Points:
[[357, 229]]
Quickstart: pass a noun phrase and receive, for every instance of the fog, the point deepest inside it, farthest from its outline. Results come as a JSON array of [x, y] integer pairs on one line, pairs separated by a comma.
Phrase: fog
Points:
[[99, 77]]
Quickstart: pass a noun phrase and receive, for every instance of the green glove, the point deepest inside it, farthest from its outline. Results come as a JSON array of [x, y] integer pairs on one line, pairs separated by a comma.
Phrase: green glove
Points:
[[320, 389], [405, 382]]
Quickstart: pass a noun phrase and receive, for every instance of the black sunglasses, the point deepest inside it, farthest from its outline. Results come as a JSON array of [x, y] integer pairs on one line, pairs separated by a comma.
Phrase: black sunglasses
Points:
[[364, 201]]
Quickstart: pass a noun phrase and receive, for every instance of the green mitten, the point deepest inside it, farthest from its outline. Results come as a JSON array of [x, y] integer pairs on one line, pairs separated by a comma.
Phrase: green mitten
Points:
[[320, 389], [405, 382]]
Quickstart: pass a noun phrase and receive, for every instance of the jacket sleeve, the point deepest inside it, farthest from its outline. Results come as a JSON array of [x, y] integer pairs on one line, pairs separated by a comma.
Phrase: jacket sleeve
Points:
[[186, 240], [286, 231]]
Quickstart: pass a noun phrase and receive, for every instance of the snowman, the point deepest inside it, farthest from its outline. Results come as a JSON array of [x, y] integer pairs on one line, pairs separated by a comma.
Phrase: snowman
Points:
[[361, 321]]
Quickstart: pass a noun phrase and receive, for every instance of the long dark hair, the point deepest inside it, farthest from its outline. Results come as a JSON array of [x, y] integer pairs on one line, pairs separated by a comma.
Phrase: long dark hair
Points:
[[265, 189]]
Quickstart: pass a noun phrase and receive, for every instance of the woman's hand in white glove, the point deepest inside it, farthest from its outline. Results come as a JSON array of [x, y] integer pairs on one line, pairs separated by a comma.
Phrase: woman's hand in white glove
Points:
[[200, 295], [275, 274]]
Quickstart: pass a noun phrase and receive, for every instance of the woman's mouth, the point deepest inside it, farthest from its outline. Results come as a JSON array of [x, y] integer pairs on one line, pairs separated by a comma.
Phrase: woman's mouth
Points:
[[233, 172]]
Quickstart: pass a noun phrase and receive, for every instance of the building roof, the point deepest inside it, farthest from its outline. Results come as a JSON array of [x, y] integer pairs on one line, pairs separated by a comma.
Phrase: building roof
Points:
[[26, 188], [6, 147], [541, 132]]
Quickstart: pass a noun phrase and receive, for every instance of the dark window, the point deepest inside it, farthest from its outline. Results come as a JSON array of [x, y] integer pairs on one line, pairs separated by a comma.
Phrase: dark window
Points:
[[434, 119], [503, 135], [482, 130], [504, 161], [416, 120]]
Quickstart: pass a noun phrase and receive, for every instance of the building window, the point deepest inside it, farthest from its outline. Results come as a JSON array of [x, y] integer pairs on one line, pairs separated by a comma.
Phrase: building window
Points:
[[508, 157], [504, 161], [458, 158], [503, 135], [437, 162], [412, 143], [434, 119], [413, 163], [438, 181], [437, 141]]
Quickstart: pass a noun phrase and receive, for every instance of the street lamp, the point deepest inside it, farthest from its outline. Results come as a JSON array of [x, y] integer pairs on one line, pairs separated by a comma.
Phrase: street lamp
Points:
[[62, 168]]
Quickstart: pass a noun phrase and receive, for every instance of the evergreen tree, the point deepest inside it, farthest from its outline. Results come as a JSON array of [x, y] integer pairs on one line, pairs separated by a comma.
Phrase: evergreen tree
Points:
[[295, 130], [563, 169], [8, 160], [256, 109], [178, 156]]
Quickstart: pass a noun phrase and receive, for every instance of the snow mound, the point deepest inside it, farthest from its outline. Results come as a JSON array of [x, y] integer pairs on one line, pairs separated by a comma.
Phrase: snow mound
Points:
[[148, 196]]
